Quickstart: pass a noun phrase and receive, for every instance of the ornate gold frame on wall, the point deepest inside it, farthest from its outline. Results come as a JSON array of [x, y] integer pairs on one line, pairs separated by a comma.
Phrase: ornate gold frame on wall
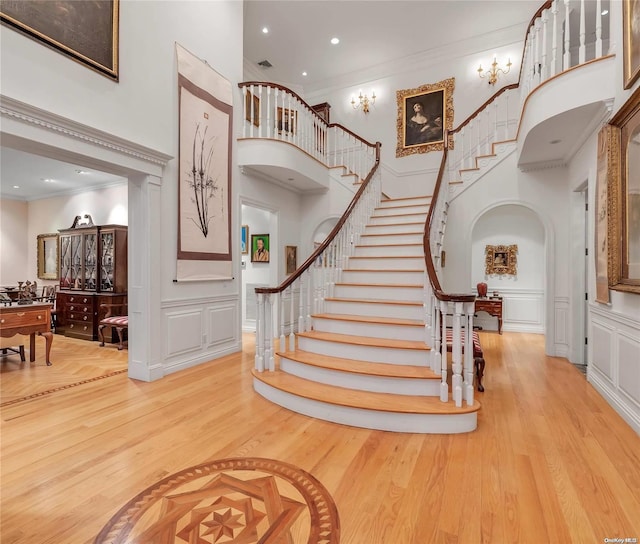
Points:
[[445, 110], [48, 261], [501, 260], [618, 197]]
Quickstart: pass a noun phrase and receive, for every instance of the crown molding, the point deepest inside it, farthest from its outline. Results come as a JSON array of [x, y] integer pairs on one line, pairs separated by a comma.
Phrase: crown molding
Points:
[[36, 117]]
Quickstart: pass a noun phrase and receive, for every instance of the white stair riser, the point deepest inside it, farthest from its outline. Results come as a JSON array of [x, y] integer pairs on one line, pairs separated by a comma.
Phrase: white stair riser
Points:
[[371, 354], [372, 330], [362, 382], [370, 419], [376, 263], [413, 238], [388, 276], [400, 228], [402, 210], [405, 201], [374, 309], [414, 250], [393, 219], [409, 294]]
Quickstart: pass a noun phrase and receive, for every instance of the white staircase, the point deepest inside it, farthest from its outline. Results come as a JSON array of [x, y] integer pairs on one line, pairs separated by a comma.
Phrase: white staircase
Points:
[[365, 362]]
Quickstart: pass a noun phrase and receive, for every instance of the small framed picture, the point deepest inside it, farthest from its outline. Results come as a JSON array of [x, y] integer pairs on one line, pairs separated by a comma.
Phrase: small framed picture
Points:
[[291, 258], [47, 256], [252, 109], [501, 260], [244, 239], [259, 248]]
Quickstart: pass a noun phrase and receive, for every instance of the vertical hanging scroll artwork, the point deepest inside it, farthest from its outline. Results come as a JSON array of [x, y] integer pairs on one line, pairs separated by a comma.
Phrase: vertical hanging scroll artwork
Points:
[[204, 177]]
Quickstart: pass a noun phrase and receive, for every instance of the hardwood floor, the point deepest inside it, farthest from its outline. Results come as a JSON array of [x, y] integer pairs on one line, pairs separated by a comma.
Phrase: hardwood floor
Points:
[[550, 462]]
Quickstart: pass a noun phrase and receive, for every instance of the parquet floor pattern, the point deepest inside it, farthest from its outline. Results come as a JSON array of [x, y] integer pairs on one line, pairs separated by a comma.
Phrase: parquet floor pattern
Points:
[[74, 362], [550, 461]]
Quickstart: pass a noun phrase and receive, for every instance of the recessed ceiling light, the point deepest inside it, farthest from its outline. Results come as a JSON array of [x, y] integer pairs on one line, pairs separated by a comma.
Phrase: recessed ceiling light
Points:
[[82, 172], [265, 30], [553, 142], [304, 73], [16, 186], [48, 180], [604, 12], [335, 41]]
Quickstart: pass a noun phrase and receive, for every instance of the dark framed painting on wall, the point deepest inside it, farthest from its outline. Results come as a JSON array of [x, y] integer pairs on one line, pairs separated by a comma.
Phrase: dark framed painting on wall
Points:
[[87, 32], [291, 258], [424, 113], [259, 248]]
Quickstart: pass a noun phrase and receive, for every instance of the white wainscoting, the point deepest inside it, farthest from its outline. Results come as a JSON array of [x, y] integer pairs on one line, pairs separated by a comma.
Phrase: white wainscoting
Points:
[[561, 326], [199, 330], [522, 311], [614, 362]]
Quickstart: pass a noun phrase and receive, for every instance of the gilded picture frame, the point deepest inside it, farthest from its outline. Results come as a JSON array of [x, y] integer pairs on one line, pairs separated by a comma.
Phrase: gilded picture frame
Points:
[[252, 109], [291, 259], [501, 260], [424, 115], [48, 252], [623, 198], [631, 41], [87, 32]]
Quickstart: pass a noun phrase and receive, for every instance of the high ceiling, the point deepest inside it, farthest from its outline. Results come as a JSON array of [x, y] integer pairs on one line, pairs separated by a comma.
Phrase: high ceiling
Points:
[[371, 33]]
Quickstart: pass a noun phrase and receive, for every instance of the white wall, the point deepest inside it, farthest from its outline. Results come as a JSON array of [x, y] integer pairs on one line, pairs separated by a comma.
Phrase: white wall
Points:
[[14, 239], [196, 321], [523, 300]]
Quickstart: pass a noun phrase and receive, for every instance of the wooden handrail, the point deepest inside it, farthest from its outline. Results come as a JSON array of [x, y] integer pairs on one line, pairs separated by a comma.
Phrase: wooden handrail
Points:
[[305, 266], [431, 271]]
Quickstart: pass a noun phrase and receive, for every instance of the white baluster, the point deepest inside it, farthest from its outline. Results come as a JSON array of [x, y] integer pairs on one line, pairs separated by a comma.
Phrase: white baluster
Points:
[[456, 355], [545, 69], [444, 387], [292, 336], [244, 102], [309, 275], [301, 312], [469, 308], [583, 48], [536, 57], [566, 61], [269, 360], [598, 52], [259, 358], [269, 112], [283, 338], [554, 39]]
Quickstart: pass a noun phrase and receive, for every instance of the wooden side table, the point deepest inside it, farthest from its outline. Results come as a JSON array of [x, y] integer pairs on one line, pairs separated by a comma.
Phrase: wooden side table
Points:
[[28, 319], [493, 306]]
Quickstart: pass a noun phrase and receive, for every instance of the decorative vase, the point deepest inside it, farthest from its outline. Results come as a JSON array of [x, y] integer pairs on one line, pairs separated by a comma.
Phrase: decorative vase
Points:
[[482, 289]]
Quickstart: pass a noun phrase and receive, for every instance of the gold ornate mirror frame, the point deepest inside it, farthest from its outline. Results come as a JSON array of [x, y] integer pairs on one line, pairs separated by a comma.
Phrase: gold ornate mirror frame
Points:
[[501, 260]]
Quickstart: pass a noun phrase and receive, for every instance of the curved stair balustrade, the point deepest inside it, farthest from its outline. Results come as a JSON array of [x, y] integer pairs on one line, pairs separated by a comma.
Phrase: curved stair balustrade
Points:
[[315, 279], [273, 112], [550, 49]]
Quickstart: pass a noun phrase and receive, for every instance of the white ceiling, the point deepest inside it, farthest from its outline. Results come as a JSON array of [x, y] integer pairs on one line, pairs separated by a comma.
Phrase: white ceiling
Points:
[[372, 33]]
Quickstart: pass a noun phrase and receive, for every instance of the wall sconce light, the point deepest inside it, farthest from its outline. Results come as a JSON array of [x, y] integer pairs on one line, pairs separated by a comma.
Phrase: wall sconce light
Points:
[[363, 102], [493, 72]]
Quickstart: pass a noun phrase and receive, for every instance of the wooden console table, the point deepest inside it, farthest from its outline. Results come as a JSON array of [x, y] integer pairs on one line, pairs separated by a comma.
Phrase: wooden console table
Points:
[[493, 306], [28, 319]]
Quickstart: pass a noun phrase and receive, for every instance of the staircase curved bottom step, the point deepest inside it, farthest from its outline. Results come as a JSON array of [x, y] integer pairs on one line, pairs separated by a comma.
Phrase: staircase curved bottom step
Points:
[[440, 422]]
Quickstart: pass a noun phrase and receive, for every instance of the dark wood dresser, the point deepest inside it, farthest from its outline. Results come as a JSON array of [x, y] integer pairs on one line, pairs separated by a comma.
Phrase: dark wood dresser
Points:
[[79, 312], [493, 306]]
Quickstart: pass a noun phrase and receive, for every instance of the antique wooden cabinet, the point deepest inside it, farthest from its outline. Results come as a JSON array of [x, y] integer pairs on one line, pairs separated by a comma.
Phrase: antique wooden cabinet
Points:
[[93, 271]]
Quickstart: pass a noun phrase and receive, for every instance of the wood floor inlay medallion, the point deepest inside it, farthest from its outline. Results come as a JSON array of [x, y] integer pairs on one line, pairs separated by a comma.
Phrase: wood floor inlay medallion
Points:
[[237, 501]]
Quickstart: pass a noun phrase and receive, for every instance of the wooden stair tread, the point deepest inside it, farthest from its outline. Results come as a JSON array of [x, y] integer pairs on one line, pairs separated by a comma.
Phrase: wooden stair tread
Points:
[[374, 216], [406, 198], [393, 233], [352, 284], [364, 340], [386, 402], [390, 245], [402, 206], [383, 270], [375, 301], [387, 257], [395, 224], [387, 370], [370, 319]]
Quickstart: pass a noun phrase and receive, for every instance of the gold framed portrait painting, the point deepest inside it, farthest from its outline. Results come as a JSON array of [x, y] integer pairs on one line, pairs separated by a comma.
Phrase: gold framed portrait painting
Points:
[[501, 260], [424, 114], [47, 256]]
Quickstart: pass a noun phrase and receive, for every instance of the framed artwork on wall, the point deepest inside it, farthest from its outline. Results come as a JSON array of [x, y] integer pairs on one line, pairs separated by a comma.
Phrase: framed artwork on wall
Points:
[[631, 41], [286, 121], [85, 31], [424, 113], [252, 109], [501, 260], [259, 248], [291, 258], [244, 239], [47, 256]]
